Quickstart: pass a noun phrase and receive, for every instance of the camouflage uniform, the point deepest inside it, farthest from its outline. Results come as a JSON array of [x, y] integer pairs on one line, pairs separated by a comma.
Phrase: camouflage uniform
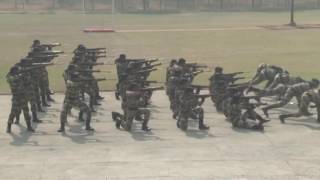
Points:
[[308, 97], [72, 99], [266, 73], [134, 109], [241, 113], [294, 91], [190, 107], [19, 102], [281, 83]]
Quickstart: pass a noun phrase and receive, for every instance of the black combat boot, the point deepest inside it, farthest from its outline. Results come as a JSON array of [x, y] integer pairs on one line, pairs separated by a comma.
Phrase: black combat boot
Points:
[[62, 129], [88, 127], [9, 128], [49, 98], [29, 127], [99, 97], [117, 95], [265, 112], [80, 118], [145, 127], [39, 107], [17, 119], [282, 118], [35, 117], [202, 126]]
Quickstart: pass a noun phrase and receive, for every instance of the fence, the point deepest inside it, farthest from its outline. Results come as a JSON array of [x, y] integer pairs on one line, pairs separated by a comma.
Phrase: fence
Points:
[[153, 5]]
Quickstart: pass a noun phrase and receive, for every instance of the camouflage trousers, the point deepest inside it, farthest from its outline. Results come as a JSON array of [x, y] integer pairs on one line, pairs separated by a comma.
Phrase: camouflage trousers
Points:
[[306, 100], [131, 114], [279, 90], [75, 103], [19, 103], [289, 95]]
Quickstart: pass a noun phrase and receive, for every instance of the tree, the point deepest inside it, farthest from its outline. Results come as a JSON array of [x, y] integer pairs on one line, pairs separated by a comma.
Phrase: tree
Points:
[[292, 22]]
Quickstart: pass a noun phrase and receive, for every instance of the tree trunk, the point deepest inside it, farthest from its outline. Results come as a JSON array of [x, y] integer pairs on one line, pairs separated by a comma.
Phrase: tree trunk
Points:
[[93, 6], [53, 5], [145, 4], [292, 22]]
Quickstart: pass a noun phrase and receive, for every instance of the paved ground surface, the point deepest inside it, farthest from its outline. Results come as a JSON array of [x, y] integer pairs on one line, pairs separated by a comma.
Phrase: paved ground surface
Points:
[[284, 152]]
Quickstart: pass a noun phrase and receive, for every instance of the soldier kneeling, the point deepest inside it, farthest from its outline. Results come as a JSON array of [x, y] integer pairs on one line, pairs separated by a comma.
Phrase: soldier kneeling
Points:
[[242, 114], [190, 107], [134, 109]]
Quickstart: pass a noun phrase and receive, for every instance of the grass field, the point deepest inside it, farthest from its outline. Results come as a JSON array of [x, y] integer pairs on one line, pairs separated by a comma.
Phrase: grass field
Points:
[[236, 50]]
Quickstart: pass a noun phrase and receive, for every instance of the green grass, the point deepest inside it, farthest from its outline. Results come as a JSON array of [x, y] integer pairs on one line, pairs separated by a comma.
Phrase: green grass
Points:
[[236, 50]]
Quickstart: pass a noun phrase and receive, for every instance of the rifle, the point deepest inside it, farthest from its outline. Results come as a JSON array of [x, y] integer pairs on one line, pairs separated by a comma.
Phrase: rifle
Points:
[[152, 88], [199, 87], [96, 56], [33, 66], [145, 71], [152, 66], [197, 73], [51, 45], [92, 63], [233, 74], [96, 49], [91, 71], [233, 80], [196, 65]]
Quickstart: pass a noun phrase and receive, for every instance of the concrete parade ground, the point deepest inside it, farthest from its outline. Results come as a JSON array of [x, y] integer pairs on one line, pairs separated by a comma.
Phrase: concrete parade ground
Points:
[[288, 151]]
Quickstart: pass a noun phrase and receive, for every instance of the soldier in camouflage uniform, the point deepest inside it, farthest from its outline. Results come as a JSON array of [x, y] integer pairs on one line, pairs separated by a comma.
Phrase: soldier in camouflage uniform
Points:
[[241, 113], [190, 107], [281, 83], [294, 91], [29, 88], [267, 73], [134, 109], [72, 99], [122, 66], [19, 101], [308, 97]]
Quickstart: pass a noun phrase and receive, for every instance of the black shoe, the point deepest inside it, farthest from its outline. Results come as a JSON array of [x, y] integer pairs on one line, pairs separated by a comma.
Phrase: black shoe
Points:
[[204, 127], [97, 104], [9, 128], [282, 119], [118, 124], [61, 130], [88, 128], [40, 110], [46, 105], [37, 120], [258, 128], [50, 99], [17, 122], [30, 129], [100, 98], [146, 129], [117, 95], [80, 119], [265, 112]]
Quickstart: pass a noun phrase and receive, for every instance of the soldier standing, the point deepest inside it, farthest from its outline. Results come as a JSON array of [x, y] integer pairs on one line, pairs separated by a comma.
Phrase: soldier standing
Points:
[[19, 101]]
